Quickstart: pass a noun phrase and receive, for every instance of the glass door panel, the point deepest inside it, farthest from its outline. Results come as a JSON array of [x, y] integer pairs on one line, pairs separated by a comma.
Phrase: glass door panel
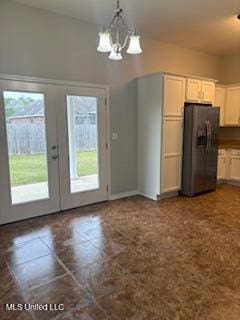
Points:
[[83, 143], [26, 138]]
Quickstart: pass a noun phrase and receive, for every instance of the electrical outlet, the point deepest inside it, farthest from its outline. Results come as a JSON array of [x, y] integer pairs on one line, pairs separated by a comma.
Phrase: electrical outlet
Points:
[[114, 136]]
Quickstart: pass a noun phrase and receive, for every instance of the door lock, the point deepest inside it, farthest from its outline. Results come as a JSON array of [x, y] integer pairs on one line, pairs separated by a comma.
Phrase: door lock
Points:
[[54, 156]]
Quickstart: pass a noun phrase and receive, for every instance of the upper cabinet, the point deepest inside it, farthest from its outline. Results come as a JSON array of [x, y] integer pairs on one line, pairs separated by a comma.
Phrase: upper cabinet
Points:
[[174, 96], [200, 91], [208, 92], [220, 101], [232, 111], [194, 87]]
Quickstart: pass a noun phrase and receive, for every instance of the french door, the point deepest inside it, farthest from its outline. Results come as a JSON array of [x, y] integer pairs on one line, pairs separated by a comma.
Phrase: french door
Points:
[[82, 146], [53, 148]]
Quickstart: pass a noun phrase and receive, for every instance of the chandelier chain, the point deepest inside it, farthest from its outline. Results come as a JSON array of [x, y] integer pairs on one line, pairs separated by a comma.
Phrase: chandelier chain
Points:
[[118, 19]]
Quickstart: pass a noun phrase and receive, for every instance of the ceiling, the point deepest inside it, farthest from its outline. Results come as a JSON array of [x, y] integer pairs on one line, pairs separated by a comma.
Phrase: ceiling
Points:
[[207, 25]]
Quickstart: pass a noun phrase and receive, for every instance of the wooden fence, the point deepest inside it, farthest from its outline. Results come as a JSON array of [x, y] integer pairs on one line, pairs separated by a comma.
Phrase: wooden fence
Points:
[[30, 138]]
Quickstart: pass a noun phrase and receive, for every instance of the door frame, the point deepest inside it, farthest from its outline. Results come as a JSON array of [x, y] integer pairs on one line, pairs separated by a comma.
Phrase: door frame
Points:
[[77, 84]]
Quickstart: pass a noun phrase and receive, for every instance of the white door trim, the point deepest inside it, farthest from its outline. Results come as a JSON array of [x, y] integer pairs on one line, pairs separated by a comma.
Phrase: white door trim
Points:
[[4, 76]]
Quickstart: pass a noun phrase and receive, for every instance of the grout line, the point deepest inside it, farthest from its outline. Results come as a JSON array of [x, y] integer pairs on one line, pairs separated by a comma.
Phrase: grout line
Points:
[[44, 283], [20, 264], [19, 244]]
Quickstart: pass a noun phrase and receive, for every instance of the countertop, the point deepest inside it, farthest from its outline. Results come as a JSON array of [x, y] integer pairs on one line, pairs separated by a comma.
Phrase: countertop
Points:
[[229, 144]]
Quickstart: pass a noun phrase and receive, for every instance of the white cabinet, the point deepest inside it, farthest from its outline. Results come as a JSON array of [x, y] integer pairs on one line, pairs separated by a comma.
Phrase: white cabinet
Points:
[[229, 165], [160, 130], [208, 92], [149, 134], [173, 96], [220, 101], [234, 170], [200, 91], [221, 169], [171, 169], [232, 112], [194, 88]]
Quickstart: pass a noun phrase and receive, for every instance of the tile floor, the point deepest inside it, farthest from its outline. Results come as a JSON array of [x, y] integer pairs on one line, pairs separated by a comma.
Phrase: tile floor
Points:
[[131, 259]]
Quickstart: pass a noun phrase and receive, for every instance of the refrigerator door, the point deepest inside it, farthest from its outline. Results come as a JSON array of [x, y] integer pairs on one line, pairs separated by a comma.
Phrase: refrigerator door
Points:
[[198, 167], [194, 149], [212, 149]]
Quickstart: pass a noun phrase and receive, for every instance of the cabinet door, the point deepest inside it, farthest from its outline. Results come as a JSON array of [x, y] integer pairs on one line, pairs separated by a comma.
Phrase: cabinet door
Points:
[[221, 170], [208, 92], [220, 101], [174, 96], [194, 88], [171, 169], [235, 168], [232, 112]]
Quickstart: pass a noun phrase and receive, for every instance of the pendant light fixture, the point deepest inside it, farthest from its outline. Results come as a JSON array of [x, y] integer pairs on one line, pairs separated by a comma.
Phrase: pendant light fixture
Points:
[[109, 39]]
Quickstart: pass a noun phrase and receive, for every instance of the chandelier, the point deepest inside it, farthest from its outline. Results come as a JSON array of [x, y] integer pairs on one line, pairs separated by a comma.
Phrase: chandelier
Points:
[[109, 39]]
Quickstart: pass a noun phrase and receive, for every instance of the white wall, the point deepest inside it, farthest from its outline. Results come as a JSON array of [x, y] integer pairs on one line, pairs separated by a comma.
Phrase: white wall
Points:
[[230, 71], [38, 43]]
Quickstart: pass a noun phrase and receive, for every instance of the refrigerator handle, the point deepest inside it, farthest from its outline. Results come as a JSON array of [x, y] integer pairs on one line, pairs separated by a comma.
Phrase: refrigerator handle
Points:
[[208, 135]]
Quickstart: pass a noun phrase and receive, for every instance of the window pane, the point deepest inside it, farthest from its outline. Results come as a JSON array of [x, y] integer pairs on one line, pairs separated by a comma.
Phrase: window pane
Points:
[[83, 143], [26, 137]]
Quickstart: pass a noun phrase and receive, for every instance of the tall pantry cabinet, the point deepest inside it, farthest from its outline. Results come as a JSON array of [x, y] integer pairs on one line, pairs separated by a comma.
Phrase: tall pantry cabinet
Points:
[[160, 130]]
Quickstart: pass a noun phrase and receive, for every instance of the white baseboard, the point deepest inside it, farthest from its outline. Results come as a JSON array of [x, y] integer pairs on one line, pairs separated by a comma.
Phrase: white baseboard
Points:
[[148, 196], [161, 197], [124, 195], [232, 182], [168, 195]]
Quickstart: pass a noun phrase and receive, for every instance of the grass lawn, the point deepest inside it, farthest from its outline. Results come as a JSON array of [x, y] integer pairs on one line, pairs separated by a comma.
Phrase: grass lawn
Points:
[[28, 169]]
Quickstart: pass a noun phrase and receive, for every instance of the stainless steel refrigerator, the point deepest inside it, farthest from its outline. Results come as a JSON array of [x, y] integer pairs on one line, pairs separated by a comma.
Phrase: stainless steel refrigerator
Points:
[[200, 149]]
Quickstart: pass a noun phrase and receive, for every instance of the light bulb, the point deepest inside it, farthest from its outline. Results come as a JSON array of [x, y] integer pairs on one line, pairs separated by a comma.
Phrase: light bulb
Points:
[[134, 45], [114, 54], [104, 42]]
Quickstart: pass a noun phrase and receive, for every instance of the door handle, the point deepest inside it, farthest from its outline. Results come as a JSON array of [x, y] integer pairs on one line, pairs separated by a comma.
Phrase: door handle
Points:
[[54, 156]]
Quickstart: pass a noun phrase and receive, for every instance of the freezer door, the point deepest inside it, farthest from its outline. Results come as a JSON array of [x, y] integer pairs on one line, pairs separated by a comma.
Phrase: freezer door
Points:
[[199, 141], [212, 149]]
